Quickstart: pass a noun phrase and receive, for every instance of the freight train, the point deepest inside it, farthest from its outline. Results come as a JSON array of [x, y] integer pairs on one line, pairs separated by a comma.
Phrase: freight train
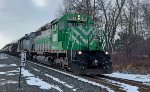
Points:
[[10, 49], [70, 42]]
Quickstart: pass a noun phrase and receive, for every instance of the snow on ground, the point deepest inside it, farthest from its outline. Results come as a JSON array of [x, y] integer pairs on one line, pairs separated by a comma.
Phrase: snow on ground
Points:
[[3, 56], [8, 82], [145, 79], [2, 72], [3, 81], [126, 87], [58, 80], [7, 73], [31, 80], [61, 82], [14, 71], [79, 78], [7, 65]]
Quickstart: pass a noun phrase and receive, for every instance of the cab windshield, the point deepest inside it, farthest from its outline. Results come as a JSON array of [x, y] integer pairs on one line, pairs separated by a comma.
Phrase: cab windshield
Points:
[[75, 23]]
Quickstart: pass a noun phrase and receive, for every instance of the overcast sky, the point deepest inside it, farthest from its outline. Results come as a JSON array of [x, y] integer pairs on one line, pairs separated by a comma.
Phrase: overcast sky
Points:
[[19, 17]]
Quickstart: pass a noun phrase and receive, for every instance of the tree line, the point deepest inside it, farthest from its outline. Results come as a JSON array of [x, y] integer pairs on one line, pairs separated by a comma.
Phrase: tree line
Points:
[[126, 23]]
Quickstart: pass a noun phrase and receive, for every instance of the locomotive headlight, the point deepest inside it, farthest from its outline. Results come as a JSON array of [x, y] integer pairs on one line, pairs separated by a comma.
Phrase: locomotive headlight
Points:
[[78, 18], [106, 53], [79, 52]]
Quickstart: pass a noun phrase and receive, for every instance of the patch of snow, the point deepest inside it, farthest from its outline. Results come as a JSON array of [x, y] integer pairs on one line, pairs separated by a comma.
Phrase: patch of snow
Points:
[[11, 74], [2, 79], [145, 79], [79, 78], [7, 65], [7, 73], [13, 65], [8, 82], [3, 56], [61, 82], [57, 80], [3, 65], [13, 71], [126, 87], [2, 72], [38, 82], [26, 73], [36, 69]]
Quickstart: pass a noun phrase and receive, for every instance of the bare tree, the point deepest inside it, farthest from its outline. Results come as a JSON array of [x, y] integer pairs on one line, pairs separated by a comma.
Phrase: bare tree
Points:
[[86, 7], [146, 9], [111, 17], [136, 15]]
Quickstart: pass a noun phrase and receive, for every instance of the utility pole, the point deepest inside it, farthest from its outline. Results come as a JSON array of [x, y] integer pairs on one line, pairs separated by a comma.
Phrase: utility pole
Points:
[[22, 64]]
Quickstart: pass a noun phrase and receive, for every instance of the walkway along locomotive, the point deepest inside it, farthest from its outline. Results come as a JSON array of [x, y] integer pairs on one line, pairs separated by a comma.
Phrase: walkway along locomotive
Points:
[[69, 42]]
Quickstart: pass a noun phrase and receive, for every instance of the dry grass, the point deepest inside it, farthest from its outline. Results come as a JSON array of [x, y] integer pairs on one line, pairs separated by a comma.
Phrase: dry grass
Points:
[[131, 64]]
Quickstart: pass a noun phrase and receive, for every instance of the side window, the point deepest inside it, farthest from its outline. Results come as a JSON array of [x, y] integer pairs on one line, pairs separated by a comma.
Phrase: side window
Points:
[[55, 26], [81, 24], [48, 26], [70, 24], [62, 25]]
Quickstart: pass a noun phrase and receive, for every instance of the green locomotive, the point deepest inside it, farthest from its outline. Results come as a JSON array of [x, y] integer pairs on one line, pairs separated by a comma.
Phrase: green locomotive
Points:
[[71, 42], [70, 32]]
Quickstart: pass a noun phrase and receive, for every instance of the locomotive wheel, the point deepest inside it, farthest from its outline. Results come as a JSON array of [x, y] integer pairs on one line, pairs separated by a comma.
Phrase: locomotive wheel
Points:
[[31, 57], [58, 66], [61, 65], [51, 61], [34, 59], [73, 66]]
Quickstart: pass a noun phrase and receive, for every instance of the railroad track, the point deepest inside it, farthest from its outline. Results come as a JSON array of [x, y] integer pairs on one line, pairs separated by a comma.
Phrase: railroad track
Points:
[[43, 64], [105, 80], [105, 83], [115, 88], [102, 79], [134, 83]]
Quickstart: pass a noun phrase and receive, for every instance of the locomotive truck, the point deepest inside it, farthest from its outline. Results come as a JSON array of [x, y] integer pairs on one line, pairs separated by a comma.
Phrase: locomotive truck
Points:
[[69, 42]]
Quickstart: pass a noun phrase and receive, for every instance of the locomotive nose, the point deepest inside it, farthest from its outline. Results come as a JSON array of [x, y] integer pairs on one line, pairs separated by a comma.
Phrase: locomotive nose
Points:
[[83, 36]]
